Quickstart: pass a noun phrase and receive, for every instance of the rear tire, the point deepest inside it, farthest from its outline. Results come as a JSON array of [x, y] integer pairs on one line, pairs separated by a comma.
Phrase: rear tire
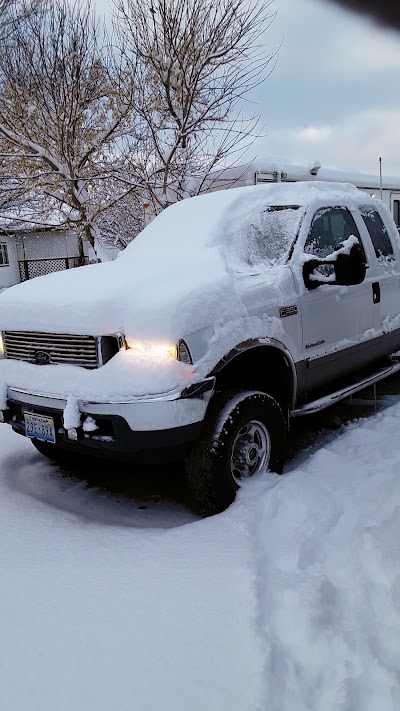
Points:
[[244, 433]]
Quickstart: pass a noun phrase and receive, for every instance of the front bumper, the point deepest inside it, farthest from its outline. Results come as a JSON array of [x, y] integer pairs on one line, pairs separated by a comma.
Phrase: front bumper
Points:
[[153, 428]]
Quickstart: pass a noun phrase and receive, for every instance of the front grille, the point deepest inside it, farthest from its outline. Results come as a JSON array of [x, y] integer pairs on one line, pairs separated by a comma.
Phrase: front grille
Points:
[[43, 348]]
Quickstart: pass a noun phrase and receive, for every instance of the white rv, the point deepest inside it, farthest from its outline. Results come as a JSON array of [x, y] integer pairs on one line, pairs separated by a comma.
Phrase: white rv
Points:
[[262, 171], [269, 171]]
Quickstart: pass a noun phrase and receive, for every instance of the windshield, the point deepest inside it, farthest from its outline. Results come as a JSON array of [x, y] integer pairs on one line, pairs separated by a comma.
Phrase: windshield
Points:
[[266, 238]]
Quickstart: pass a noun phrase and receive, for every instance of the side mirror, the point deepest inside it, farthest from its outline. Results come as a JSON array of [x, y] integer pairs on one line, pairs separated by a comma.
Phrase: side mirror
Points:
[[349, 268]]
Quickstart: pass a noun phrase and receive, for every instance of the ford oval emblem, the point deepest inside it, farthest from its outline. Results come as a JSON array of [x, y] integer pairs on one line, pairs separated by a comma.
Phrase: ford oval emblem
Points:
[[41, 357]]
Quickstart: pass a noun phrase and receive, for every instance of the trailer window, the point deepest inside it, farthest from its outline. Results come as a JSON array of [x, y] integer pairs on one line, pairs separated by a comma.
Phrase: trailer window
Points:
[[396, 212], [3, 255], [378, 233]]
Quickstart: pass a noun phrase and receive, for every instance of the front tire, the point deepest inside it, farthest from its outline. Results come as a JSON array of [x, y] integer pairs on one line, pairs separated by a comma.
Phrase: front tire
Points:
[[245, 433]]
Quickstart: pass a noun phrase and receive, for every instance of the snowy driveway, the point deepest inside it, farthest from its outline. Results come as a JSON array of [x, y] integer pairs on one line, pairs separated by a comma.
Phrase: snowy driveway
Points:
[[289, 601]]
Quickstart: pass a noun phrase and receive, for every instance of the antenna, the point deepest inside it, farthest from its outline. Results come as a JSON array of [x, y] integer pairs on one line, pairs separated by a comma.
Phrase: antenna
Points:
[[380, 173]]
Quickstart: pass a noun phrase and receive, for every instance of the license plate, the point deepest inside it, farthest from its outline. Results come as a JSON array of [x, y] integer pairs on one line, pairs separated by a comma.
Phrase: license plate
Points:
[[39, 427]]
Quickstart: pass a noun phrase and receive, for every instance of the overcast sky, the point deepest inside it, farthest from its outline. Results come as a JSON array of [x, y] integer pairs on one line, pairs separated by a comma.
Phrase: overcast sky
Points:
[[334, 94]]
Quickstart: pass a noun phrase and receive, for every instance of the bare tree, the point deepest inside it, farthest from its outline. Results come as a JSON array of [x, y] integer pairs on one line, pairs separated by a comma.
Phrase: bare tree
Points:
[[195, 63], [12, 10], [64, 107]]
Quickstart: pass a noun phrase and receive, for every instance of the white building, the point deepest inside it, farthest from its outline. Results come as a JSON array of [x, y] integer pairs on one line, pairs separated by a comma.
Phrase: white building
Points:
[[29, 252]]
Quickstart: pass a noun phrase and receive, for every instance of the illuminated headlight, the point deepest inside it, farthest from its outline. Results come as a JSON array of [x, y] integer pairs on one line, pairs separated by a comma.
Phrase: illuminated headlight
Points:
[[183, 353], [1, 346], [157, 351], [162, 351]]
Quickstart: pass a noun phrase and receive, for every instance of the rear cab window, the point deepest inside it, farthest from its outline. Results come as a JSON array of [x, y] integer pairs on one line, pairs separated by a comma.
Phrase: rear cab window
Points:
[[378, 233]]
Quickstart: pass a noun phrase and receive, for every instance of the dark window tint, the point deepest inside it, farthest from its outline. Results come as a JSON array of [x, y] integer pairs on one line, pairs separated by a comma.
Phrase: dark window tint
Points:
[[396, 212], [330, 228], [378, 232], [3, 255]]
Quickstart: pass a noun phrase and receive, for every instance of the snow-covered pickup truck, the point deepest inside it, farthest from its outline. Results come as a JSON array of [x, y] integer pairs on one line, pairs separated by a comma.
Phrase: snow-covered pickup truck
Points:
[[227, 316]]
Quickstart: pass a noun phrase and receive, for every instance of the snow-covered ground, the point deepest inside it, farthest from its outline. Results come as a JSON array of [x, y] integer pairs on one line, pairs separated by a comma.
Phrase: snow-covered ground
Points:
[[289, 601]]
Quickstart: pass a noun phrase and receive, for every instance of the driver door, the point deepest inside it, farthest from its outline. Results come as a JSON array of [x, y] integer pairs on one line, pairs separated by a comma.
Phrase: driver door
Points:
[[335, 318]]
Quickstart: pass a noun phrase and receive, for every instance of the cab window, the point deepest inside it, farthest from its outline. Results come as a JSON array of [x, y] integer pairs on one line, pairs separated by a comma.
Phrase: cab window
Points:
[[378, 233], [330, 228]]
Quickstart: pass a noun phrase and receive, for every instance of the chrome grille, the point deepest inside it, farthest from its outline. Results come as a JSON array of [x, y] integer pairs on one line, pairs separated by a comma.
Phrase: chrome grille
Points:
[[60, 348]]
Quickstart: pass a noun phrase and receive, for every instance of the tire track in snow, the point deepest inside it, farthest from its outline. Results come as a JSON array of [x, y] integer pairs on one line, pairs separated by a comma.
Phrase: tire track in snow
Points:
[[326, 556], [251, 500]]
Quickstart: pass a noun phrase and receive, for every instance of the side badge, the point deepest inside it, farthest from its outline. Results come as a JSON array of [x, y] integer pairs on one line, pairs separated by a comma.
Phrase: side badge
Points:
[[288, 311]]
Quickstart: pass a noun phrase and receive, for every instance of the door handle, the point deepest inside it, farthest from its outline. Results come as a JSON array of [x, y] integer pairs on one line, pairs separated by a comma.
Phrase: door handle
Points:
[[376, 292]]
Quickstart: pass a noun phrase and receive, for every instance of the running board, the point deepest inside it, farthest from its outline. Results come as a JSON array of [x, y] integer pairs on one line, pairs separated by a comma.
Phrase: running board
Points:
[[322, 403]]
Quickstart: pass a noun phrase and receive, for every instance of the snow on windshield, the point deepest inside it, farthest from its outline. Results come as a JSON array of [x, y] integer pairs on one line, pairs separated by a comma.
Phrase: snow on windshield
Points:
[[265, 238]]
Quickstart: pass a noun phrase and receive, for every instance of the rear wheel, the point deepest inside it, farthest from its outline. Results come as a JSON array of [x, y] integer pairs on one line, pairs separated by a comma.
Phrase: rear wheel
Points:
[[244, 434]]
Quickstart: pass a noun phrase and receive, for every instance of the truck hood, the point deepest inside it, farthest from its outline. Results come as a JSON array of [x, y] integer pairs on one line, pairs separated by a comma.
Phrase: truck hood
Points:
[[121, 296]]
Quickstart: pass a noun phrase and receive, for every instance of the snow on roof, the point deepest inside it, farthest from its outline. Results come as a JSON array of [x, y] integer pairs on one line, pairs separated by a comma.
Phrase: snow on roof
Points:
[[181, 252], [205, 215], [292, 171], [175, 278], [23, 220], [21, 228]]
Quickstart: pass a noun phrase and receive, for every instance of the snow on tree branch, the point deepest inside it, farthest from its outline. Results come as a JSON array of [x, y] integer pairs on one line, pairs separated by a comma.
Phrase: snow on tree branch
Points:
[[65, 106], [195, 60]]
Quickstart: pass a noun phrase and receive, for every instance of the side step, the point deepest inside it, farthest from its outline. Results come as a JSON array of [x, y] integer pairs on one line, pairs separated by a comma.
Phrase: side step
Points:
[[327, 400]]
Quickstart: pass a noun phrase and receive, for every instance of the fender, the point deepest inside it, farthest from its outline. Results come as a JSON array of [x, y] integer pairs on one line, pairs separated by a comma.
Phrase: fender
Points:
[[257, 343]]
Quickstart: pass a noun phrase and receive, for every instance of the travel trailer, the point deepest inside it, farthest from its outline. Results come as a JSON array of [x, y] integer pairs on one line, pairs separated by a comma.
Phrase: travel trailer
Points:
[[262, 171], [268, 171]]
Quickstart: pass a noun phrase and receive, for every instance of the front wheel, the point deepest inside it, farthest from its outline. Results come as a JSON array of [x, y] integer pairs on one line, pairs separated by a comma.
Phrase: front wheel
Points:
[[245, 433]]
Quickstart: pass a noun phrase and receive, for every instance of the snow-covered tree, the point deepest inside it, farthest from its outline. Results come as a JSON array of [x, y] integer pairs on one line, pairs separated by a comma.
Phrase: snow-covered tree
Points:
[[195, 61], [65, 105]]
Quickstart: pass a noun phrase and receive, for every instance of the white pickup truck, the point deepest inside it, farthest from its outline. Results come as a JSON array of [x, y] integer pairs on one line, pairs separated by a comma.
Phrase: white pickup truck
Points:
[[230, 314]]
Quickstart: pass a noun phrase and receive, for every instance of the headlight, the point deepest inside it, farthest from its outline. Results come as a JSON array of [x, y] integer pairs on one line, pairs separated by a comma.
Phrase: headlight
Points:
[[160, 351], [154, 350], [1, 346]]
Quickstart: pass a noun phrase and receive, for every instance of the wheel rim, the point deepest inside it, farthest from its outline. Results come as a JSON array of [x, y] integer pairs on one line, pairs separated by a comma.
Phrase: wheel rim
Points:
[[251, 451]]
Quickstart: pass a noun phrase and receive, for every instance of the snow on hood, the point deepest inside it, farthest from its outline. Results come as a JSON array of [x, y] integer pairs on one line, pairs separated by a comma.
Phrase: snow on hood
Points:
[[179, 275]]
